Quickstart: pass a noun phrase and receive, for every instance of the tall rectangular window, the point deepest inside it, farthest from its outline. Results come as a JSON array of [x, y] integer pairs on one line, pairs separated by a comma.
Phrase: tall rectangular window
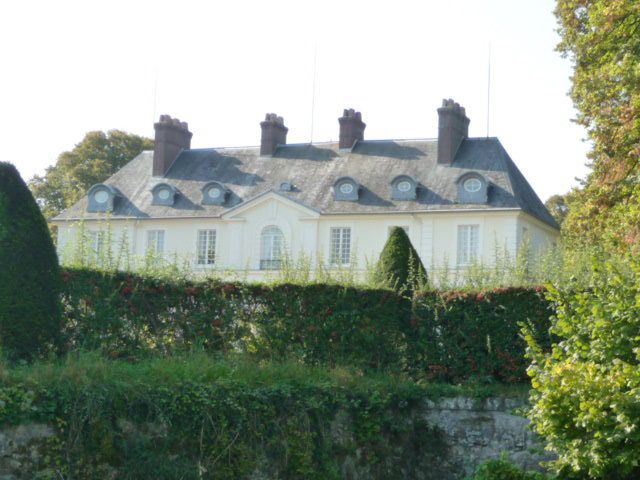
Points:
[[96, 240], [468, 243], [155, 242], [340, 253], [206, 248]]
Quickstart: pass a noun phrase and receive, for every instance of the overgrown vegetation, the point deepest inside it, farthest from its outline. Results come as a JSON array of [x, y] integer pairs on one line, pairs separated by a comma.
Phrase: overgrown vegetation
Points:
[[201, 417], [30, 318], [502, 469], [586, 391], [529, 268]]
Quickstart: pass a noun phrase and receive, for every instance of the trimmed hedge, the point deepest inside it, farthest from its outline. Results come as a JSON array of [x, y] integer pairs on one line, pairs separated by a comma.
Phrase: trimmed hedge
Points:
[[29, 274], [400, 267], [451, 336], [457, 335]]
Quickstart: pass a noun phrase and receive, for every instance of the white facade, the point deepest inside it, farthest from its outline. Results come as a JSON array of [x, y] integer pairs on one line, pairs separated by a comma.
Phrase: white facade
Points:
[[235, 241]]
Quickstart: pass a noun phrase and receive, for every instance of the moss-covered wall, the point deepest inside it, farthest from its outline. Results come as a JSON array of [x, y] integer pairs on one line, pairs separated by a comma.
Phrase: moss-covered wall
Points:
[[265, 434]]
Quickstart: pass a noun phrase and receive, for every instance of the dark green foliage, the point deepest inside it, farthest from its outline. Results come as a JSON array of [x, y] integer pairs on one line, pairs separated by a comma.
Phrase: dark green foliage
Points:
[[457, 335], [400, 266], [196, 417], [30, 316], [504, 470], [452, 336]]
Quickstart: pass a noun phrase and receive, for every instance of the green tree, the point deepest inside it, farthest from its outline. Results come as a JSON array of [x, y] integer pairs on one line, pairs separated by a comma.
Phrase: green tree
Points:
[[30, 312], [557, 206], [586, 391], [98, 156], [602, 39], [400, 266]]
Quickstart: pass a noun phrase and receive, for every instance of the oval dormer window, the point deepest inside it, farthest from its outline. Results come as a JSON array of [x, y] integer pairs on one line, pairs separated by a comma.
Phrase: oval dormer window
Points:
[[472, 185], [404, 186], [164, 194], [346, 188], [214, 193], [101, 196], [472, 188]]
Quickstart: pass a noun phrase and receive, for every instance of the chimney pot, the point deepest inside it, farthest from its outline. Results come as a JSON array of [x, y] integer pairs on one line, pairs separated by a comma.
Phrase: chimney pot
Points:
[[453, 128], [172, 136], [274, 133], [351, 128]]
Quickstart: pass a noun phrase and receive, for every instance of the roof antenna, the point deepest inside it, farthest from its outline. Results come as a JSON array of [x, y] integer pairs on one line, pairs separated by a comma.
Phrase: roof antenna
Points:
[[155, 95], [488, 88], [313, 89]]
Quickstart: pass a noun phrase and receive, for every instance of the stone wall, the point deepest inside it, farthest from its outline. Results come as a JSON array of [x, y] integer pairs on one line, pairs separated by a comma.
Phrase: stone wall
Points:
[[462, 432]]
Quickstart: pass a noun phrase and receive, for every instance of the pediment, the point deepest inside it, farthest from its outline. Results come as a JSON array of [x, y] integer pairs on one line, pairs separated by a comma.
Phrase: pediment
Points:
[[271, 202]]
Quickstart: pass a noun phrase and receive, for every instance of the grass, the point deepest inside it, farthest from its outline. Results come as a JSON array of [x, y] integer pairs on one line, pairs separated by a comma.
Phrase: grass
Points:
[[90, 370]]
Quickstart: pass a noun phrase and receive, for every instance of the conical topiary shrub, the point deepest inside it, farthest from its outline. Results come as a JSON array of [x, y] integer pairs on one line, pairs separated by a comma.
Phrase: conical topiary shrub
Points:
[[30, 312], [400, 266]]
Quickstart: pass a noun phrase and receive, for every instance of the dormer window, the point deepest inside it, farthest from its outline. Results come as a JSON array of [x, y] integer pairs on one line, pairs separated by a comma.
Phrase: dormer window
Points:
[[472, 185], [346, 188], [101, 198], [163, 194], [403, 187], [472, 188], [214, 193], [286, 187]]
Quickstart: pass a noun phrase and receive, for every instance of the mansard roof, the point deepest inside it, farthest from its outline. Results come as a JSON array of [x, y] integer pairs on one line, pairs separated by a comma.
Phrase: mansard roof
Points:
[[313, 169]]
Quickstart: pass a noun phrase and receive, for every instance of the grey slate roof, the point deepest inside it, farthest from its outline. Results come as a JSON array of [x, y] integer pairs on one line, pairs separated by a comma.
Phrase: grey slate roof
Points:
[[313, 169]]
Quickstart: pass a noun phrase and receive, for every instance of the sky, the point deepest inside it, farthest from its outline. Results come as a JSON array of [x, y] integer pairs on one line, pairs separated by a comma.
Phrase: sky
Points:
[[70, 67]]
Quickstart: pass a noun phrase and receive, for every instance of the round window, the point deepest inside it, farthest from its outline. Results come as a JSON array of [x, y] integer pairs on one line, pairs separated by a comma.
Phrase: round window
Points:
[[164, 194], [404, 186], [101, 196], [214, 193], [472, 185], [346, 188]]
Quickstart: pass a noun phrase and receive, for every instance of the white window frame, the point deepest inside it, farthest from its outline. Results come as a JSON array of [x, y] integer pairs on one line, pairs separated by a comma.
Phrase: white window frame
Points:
[[340, 246], [97, 239], [271, 247], [206, 244], [467, 250], [155, 242]]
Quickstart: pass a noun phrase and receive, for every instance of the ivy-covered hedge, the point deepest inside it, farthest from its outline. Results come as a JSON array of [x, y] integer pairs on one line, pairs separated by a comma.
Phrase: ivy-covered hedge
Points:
[[457, 335], [451, 336]]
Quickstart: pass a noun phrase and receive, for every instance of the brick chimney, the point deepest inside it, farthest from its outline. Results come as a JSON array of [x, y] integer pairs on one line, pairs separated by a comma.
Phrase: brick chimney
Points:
[[172, 136], [274, 133], [453, 128], [351, 128]]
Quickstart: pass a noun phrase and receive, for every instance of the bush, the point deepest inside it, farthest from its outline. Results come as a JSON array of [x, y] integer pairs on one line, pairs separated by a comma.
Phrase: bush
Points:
[[504, 470], [452, 336], [586, 391], [30, 318], [400, 266]]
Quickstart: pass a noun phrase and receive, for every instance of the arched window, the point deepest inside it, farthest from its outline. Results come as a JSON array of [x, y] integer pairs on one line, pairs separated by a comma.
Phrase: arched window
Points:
[[271, 245]]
